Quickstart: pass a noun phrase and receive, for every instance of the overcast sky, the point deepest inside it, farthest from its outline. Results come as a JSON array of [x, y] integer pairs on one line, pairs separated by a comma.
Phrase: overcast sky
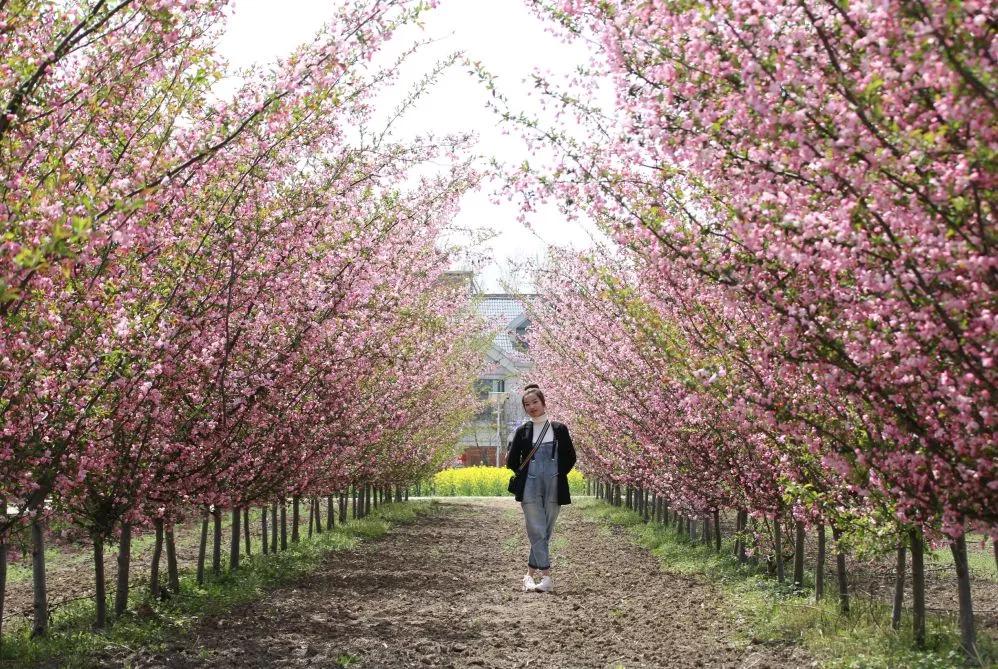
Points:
[[506, 37]]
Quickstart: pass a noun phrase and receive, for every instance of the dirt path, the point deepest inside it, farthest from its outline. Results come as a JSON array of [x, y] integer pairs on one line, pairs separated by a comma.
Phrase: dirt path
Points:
[[444, 592]]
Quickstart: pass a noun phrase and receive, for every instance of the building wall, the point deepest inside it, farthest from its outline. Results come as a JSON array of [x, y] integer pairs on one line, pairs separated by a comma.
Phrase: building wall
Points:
[[480, 439]]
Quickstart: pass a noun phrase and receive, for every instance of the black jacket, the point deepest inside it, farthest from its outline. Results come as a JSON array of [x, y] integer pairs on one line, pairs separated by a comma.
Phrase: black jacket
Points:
[[523, 441]]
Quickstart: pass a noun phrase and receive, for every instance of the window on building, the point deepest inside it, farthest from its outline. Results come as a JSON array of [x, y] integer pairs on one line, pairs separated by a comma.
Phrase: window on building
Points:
[[520, 338], [500, 385], [482, 388]]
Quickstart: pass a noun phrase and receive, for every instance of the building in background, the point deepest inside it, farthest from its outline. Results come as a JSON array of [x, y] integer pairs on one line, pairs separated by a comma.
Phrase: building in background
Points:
[[501, 381]]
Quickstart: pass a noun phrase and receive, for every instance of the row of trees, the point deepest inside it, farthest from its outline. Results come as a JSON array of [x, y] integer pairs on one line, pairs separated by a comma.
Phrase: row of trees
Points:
[[797, 319], [213, 301]]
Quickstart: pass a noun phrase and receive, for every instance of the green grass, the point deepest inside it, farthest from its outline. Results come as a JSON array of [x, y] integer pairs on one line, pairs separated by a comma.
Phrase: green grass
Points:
[[18, 573], [764, 611], [980, 562], [72, 642]]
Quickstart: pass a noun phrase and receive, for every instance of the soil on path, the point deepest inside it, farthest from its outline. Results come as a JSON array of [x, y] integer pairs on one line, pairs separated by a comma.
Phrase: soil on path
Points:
[[444, 591]]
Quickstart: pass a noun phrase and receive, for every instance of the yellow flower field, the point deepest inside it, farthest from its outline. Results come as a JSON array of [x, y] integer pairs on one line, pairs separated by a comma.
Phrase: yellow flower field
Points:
[[483, 481]]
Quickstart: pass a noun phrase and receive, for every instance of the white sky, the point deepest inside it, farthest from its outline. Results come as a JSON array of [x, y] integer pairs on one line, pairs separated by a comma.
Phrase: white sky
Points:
[[510, 42]]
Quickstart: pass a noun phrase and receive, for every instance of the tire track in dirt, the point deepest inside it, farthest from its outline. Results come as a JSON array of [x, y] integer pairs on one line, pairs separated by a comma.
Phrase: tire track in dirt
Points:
[[444, 592]]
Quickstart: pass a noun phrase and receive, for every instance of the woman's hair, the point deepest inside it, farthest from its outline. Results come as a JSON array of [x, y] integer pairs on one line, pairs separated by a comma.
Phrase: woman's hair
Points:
[[533, 389]]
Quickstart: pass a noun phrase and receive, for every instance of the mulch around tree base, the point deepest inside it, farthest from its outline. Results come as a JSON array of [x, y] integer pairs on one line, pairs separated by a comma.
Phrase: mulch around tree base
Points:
[[445, 591]]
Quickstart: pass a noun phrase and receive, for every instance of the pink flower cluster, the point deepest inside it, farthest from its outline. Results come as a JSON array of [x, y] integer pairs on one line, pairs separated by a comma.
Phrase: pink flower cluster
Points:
[[803, 194], [215, 301]]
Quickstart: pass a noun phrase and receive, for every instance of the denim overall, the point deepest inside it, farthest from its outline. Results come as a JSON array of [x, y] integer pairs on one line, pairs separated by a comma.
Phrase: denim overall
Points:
[[540, 502]]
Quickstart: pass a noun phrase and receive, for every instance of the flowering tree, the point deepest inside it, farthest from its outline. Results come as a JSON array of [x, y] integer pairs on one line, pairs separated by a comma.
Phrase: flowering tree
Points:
[[202, 297], [823, 170]]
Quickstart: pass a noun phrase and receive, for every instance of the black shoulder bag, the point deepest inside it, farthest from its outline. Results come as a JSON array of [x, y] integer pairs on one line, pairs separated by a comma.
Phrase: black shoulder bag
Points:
[[517, 482]]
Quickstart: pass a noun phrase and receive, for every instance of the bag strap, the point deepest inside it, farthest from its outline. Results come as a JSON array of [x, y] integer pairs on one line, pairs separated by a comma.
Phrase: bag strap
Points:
[[536, 446]]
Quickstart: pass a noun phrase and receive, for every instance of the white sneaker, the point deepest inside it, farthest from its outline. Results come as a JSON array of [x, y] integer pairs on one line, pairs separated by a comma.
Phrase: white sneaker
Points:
[[528, 583], [546, 585]]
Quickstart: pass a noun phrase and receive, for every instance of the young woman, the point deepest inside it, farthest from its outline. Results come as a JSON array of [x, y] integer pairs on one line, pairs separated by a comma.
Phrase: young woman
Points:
[[546, 488]]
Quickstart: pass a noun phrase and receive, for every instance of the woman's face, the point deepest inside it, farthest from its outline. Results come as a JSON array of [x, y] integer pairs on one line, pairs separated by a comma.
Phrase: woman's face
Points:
[[533, 406]]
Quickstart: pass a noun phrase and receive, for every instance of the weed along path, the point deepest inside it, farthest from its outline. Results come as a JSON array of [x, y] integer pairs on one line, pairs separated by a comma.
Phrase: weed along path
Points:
[[443, 592]]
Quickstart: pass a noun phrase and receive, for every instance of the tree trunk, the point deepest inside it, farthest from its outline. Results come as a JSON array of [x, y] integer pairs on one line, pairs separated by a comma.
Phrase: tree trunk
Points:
[[202, 547], [898, 588], [741, 521], [317, 501], [246, 530], [705, 529], [917, 587], [264, 536], [3, 568], [41, 605], [840, 568], [968, 637], [753, 536], [799, 555], [311, 515], [343, 508], [738, 532], [273, 527], [778, 547], [216, 549], [330, 513], [235, 538], [157, 554], [100, 589], [172, 569], [819, 565], [717, 530], [124, 566], [295, 518], [284, 524]]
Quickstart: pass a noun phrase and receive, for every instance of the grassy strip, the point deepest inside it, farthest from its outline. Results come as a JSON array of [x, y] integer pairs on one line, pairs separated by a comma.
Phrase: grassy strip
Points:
[[766, 612], [72, 642]]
